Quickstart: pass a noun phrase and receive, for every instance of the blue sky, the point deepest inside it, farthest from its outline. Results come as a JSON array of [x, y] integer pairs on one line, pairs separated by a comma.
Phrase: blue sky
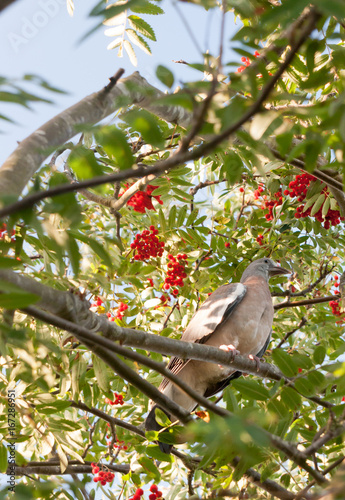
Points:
[[39, 37]]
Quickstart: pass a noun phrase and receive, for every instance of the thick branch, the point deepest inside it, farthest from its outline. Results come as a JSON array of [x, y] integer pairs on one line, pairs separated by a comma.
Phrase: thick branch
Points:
[[74, 467], [32, 151], [84, 335], [99, 346], [71, 307]]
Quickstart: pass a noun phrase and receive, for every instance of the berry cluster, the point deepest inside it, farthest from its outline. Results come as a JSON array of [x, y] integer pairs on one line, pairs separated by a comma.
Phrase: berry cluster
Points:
[[122, 307], [143, 199], [257, 192], [98, 304], [99, 301], [3, 232], [334, 304], [299, 188], [268, 204], [176, 272], [146, 244], [102, 476], [117, 401], [164, 301], [111, 318], [259, 239], [246, 61], [120, 445], [155, 493], [137, 495]]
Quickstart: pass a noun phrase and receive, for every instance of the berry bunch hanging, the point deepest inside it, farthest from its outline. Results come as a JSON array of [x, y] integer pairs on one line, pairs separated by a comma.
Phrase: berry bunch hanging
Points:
[[118, 400], [334, 304], [246, 61], [259, 239], [142, 199], [155, 493], [320, 208], [273, 202], [120, 445], [176, 272], [137, 495], [147, 244], [102, 476], [3, 232], [268, 203], [120, 311]]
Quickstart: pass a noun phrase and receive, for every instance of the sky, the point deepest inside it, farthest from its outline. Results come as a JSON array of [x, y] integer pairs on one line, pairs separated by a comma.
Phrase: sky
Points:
[[40, 37]]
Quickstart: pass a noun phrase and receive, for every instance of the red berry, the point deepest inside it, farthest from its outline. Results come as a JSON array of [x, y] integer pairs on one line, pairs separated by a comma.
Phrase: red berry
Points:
[[153, 488], [227, 244]]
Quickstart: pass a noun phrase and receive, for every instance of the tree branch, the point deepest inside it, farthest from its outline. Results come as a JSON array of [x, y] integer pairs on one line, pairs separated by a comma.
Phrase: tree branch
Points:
[[100, 347], [38, 140], [32, 151], [307, 302]]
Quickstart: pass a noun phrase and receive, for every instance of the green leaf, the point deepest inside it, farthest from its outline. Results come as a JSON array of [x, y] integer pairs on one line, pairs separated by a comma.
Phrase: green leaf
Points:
[[3, 458], [284, 362], [83, 162], [304, 387], [165, 76], [319, 354], [232, 166], [326, 206], [172, 216], [148, 465], [181, 216], [17, 300], [318, 204], [52, 408], [161, 418], [334, 8], [310, 202], [155, 452], [146, 7], [74, 254], [116, 146], [7, 262], [291, 398], [180, 99], [251, 389], [147, 124], [141, 27], [101, 373], [101, 252]]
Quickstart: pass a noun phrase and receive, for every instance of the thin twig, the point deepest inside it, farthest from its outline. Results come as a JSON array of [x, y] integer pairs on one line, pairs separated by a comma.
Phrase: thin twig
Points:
[[113, 81], [288, 334], [307, 302]]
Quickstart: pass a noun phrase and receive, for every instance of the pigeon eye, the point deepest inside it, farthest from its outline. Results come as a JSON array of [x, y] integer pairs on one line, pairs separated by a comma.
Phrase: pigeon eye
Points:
[[266, 261]]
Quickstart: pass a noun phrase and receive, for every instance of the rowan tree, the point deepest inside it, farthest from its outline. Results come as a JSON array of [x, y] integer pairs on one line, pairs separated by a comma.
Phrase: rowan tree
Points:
[[113, 234]]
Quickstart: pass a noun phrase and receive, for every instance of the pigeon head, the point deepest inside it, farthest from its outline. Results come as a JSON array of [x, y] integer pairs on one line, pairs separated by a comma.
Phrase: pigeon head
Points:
[[266, 268]]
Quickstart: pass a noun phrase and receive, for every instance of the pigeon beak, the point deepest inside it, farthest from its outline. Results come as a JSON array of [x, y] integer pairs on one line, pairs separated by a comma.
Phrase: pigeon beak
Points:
[[275, 270]]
